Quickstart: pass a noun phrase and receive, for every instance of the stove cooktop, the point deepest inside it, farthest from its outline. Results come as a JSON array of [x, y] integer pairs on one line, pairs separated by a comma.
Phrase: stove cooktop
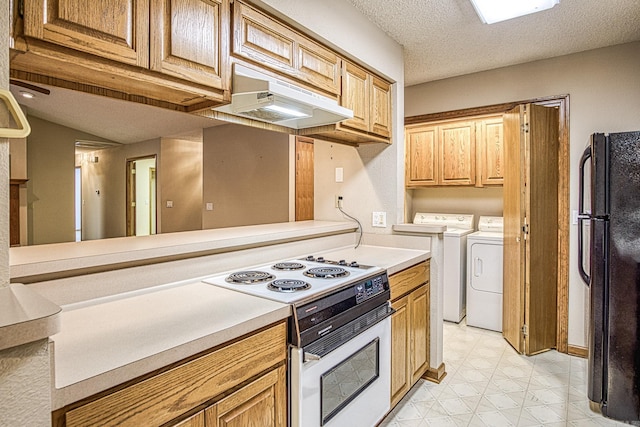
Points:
[[293, 281]]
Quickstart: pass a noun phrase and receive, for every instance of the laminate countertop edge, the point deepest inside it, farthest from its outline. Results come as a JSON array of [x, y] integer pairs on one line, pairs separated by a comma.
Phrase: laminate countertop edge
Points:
[[25, 316]]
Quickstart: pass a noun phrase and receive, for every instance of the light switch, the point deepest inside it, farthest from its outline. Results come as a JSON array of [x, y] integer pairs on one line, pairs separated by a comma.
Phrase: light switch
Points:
[[209, 206], [339, 175], [169, 203]]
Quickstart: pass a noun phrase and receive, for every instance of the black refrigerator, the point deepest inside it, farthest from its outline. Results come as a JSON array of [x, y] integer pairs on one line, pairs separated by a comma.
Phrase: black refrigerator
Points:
[[613, 271]]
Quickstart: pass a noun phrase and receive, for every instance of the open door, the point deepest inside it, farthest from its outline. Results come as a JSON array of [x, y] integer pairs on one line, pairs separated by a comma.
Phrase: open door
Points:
[[304, 179], [513, 213], [141, 196], [531, 228]]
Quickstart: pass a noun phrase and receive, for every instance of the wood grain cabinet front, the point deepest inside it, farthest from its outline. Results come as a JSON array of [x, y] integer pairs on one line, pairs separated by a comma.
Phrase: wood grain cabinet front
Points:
[[455, 153], [271, 44], [239, 384], [171, 53], [409, 328]]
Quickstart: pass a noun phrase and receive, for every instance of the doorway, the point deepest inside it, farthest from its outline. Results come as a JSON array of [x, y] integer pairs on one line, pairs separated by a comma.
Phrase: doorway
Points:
[[141, 196], [562, 285], [304, 179]]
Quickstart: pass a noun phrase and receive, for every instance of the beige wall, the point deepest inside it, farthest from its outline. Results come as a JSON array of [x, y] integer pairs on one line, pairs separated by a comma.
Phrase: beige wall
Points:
[[604, 89], [246, 176], [180, 181], [50, 189]]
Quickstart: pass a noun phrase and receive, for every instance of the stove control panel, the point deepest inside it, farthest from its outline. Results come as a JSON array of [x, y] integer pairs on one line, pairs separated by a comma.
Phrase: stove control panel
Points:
[[370, 288]]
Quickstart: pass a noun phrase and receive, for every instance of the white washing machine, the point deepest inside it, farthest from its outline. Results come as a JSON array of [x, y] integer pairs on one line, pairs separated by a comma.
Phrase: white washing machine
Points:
[[458, 227], [484, 278]]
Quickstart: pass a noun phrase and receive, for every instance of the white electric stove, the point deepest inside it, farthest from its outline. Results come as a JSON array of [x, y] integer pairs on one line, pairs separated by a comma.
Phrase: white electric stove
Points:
[[294, 281], [339, 335]]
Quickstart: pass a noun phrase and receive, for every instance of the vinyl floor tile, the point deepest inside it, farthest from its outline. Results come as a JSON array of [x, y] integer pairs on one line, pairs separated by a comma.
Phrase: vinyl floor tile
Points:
[[488, 384]]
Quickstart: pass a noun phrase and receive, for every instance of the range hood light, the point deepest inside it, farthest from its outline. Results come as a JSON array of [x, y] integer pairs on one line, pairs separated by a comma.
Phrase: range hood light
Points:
[[306, 112], [492, 11]]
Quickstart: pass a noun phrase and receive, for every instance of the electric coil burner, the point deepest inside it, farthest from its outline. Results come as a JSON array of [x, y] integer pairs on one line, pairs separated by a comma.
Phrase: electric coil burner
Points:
[[288, 285], [288, 266], [326, 272], [249, 277]]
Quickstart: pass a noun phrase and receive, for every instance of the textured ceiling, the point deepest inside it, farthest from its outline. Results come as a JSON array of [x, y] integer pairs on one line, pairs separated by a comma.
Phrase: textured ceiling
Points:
[[445, 38]]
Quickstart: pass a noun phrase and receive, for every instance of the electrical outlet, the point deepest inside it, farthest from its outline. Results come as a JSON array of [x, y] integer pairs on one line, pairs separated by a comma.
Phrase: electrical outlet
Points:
[[209, 206], [339, 201], [379, 219]]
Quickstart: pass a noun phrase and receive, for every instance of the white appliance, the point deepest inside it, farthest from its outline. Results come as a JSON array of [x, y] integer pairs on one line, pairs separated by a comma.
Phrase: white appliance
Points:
[[484, 283], [261, 97], [340, 336], [458, 227]]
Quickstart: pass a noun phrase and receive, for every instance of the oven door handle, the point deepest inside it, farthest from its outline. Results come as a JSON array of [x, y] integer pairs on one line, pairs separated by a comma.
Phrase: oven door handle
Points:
[[323, 346]]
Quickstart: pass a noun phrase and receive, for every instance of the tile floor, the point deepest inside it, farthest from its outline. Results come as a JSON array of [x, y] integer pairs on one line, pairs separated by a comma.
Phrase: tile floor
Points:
[[489, 384]]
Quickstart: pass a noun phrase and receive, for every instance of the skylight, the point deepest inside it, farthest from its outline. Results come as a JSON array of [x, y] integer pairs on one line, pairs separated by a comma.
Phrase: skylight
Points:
[[492, 11]]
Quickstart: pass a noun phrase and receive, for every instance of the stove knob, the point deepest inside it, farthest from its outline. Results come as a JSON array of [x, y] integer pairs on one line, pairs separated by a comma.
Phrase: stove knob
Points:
[[354, 264], [310, 258], [320, 259], [342, 262]]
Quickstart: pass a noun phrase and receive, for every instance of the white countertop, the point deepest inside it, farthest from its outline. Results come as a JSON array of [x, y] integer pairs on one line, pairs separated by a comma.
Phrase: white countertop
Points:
[[107, 342], [74, 257]]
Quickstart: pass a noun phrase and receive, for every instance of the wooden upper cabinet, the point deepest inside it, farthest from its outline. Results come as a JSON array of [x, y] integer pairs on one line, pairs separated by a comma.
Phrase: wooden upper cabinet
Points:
[[268, 43], [380, 107], [117, 29], [457, 155], [491, 152], [421, 155], [369, 97], [188, 39], [355, 96], [461, 152]]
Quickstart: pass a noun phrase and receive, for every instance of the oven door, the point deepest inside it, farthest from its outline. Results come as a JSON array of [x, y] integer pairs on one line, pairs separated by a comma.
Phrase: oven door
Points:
[[349, 386]]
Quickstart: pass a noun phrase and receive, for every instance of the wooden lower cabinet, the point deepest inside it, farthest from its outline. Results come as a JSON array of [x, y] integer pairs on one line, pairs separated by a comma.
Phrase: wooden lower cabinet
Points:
[[239, 384], [409, 329]]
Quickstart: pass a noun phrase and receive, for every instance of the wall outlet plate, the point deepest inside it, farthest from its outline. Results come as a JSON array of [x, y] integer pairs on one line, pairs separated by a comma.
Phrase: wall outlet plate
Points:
[[339, 201], [379, 219]]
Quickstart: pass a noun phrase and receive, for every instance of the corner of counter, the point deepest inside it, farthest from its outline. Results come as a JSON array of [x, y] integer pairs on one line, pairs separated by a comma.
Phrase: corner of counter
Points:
[[26, 316]]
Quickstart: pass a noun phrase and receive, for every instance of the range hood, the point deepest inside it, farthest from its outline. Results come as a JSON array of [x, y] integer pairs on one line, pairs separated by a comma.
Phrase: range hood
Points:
[[260, 97]]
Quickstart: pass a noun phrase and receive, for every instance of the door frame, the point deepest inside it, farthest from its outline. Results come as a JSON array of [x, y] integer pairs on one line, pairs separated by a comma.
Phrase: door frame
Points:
[[562, 102], [130, 191]]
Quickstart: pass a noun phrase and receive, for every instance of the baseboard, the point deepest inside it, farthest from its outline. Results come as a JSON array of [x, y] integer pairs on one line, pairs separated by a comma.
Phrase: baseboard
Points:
[[435, 375], [575, 350]]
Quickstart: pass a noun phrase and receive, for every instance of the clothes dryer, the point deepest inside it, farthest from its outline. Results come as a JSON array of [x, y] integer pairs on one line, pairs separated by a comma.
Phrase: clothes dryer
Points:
[[454, 266], [484, 274]]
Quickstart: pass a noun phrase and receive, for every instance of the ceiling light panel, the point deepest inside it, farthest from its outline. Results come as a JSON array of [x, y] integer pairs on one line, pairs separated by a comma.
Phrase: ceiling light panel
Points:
[[492, 11]]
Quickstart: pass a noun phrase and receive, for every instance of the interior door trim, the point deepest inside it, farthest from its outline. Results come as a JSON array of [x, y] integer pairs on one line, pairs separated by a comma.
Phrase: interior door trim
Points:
[[562, 102]]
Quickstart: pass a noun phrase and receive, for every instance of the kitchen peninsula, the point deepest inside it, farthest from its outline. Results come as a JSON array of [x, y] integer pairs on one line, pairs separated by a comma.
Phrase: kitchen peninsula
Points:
[[133, 306]]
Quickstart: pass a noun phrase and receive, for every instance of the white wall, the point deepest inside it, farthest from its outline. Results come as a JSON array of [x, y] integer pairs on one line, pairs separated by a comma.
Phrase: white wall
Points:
[[374, 174], [604, 89]]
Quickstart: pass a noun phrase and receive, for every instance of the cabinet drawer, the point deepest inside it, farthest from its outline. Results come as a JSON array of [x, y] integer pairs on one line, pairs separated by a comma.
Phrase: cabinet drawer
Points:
[[168, 395], [407, 280]]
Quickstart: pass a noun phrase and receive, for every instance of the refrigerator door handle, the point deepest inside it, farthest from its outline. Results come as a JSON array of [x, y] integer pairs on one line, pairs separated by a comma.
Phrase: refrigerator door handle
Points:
[[582, 216]]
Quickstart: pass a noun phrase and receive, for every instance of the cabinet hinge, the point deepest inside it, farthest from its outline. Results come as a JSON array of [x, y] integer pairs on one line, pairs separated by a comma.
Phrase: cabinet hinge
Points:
[[524, 127], [525, 228], [525, 330], [21, 8]]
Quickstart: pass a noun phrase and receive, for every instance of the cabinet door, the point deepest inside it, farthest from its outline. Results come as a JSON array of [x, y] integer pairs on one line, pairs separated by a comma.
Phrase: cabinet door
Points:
[[457, 156], [380, 115], [419, 312], [421, 154], [262, 403], [355, 96], [491, 148], [400, 347], [189, 40], [318, 66], [113, 29]]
